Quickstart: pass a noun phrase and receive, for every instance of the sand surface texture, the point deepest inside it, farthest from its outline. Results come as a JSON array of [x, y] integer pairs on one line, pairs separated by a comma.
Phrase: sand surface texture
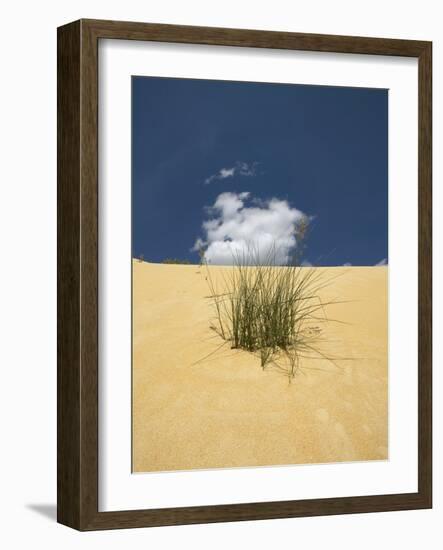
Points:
[[225, 411]]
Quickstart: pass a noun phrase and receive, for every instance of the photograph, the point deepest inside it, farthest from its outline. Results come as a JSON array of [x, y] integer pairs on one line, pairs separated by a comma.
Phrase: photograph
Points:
[[260, 270], [244, 273]]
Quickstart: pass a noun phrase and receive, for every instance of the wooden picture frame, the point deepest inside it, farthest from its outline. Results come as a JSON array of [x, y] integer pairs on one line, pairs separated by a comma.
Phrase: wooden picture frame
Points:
[[77, 456]]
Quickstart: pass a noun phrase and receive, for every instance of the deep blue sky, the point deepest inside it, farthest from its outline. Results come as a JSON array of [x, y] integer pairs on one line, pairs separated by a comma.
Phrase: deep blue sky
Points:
[[323, 149]]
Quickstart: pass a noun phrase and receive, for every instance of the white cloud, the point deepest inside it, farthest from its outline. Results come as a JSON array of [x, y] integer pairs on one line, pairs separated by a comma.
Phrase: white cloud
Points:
[[239, 169], [347, 264], [238, 224], [226, 173], [382, 262]]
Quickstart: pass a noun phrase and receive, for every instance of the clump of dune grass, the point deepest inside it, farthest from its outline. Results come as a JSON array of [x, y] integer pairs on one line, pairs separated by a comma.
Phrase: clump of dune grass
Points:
[[178, 261], [270, 310]]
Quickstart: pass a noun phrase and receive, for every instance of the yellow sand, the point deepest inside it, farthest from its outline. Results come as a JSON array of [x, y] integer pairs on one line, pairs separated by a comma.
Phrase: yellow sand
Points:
[[226, 411]]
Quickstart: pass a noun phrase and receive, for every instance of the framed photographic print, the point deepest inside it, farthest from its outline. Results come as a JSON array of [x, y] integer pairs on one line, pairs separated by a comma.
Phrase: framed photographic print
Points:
[[244, 275]]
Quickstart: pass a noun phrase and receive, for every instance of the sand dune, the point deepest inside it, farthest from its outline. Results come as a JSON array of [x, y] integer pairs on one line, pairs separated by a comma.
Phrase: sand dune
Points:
[[225, 411]]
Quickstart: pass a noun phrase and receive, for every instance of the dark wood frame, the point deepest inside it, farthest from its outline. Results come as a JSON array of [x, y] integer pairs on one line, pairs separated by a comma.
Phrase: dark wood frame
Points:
[[77, 452]]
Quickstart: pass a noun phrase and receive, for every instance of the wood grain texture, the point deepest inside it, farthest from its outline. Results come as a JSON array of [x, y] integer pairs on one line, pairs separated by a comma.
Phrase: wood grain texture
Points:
[[77, 453], [254, 38], [68, 276], [425, 274]]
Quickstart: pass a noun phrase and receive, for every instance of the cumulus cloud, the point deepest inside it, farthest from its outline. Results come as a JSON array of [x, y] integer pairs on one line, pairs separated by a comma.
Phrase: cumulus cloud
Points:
[[382, 262], [237, 222], [240, 168], [347, 264]]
